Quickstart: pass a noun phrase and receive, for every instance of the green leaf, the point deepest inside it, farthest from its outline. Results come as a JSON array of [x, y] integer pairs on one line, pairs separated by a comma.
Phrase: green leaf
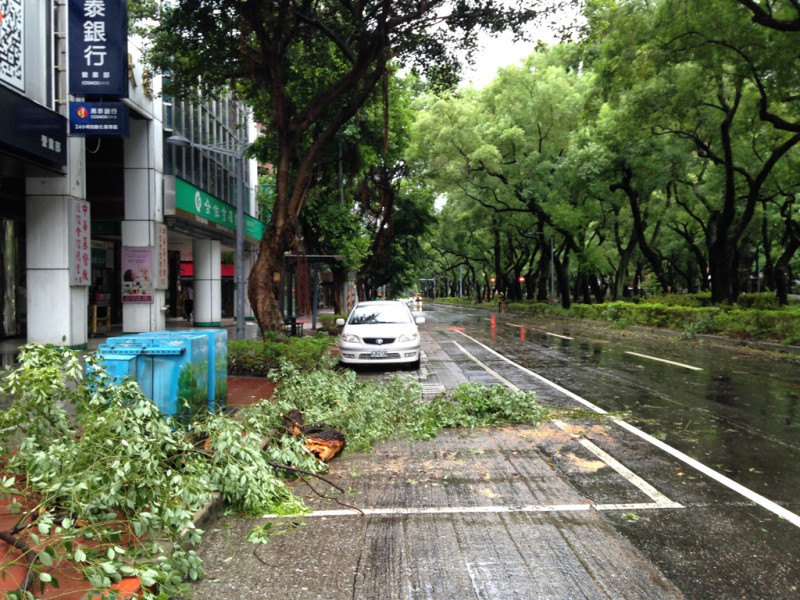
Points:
[[147, 578], [46, 558]]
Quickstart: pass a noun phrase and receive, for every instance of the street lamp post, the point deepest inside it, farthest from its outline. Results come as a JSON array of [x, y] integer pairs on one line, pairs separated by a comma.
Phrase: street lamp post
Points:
[[238, 155]]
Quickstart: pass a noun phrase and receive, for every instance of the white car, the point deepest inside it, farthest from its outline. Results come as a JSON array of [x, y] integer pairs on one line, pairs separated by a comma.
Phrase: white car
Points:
[[383, 331]]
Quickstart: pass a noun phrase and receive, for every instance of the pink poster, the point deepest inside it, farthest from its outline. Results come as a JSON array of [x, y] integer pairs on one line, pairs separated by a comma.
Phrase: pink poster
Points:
[[137, 274]]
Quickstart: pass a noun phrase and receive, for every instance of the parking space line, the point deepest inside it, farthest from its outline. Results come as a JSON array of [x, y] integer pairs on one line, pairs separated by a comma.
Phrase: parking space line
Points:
[[488, 369], [552, 384], [659, 499], [459, 510], [446, 510], [754, 497], [633, 506]]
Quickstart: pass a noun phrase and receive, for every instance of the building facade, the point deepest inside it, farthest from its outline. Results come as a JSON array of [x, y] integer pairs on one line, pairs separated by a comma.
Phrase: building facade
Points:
[[98, 211]]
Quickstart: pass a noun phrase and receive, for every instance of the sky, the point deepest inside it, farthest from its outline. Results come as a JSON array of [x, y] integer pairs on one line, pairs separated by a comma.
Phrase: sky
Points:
[[497, 52], [502, 51]]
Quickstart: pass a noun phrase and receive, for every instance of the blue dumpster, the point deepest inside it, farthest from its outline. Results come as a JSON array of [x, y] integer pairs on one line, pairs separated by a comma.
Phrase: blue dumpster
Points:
[[171, 370], [217, 361], [120, 366]]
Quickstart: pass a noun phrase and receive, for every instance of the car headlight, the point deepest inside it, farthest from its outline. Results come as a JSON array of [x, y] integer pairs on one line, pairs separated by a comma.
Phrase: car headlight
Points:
[[350, 338], [408, 337]]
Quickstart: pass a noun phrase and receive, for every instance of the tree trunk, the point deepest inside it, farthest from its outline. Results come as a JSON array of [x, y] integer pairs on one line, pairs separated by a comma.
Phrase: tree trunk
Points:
[[268, 275], [782, 265], [639, 226]]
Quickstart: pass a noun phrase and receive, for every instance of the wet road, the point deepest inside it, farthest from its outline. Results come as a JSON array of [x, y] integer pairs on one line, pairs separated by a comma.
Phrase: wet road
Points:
[[734, 411], [586, 507]]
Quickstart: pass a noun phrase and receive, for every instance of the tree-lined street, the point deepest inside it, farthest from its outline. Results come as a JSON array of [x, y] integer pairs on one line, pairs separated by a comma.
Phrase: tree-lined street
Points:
[[653, 150]]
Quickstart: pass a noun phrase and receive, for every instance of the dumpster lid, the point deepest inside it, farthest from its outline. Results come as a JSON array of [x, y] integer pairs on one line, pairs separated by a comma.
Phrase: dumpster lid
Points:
[[142, 350]]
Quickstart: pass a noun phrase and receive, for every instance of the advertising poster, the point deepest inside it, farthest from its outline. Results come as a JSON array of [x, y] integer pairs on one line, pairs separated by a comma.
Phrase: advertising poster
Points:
[[80, 243], [162, 278], [137, 274]]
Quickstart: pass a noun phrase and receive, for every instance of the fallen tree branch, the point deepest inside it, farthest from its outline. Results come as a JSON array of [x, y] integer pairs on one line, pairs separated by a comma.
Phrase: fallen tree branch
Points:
[[303, 472]]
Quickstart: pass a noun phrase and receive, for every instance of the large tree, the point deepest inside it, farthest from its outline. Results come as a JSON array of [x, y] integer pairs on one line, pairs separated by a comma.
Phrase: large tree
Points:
[[308, 67], [500, 147], [701, 72]]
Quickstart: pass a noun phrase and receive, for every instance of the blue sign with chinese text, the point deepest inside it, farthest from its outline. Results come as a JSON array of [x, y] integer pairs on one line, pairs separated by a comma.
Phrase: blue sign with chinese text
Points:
[[98, 118], [31, 130], [98, 48]]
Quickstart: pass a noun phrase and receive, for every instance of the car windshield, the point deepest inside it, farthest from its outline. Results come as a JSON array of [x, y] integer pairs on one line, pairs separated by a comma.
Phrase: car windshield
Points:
[[384, 313]]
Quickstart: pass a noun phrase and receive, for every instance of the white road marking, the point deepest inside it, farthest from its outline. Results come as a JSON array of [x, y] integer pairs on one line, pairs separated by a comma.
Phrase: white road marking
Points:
[[459, 510], [552, 384], [563, 337], [659, 499], [758, 499], [433, 389], [664, 360], [488, 369]]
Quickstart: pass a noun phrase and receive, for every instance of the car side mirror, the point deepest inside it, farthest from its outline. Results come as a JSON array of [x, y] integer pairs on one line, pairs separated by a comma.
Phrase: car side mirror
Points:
[[340, 322], [419, 320]]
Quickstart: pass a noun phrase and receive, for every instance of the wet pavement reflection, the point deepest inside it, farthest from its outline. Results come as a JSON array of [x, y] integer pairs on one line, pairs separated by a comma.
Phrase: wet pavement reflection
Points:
[[738, 414]]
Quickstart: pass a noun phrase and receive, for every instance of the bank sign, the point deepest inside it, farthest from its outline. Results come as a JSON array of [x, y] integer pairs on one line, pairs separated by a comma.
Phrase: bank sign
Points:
[[196, 205], [98, 118], [98, 48]]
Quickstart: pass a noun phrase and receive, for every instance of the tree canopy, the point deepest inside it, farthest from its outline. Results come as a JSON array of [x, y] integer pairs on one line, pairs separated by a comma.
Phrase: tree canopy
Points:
[[655, 150], [659, 150], [308, 68]]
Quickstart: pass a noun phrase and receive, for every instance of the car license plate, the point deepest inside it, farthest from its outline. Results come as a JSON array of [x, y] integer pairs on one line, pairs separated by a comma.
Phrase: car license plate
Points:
[[378, 354]]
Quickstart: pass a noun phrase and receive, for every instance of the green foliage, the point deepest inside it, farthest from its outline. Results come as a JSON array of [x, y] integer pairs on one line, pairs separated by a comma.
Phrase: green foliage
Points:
[[259, 357], [367, 412], [100, 461], [364, 412], [242, 471], [692, 300], [106, 464], [689, 314], [328, 323], [476, 405], [760, 301], [766, 325]]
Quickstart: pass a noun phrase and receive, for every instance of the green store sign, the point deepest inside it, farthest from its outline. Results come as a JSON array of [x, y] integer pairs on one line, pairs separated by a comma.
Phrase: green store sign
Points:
[[211, 211]]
